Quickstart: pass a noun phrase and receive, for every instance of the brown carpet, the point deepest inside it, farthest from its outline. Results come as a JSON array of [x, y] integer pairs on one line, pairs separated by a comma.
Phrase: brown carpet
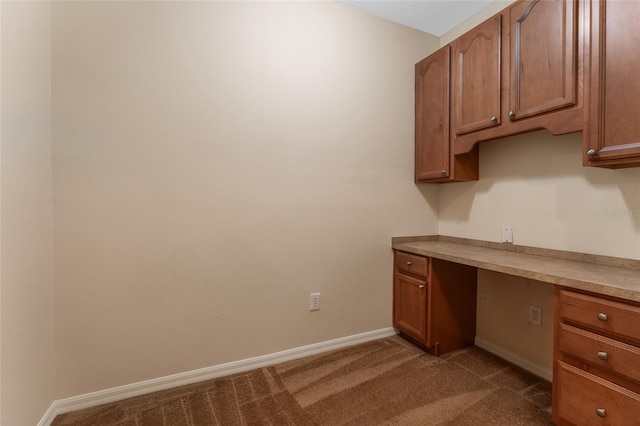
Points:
[[383, 382]]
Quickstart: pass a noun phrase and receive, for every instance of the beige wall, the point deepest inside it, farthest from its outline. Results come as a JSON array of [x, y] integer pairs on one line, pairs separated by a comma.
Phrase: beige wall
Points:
[[26, 312], [503, 319], [214, 163], [536, 184]]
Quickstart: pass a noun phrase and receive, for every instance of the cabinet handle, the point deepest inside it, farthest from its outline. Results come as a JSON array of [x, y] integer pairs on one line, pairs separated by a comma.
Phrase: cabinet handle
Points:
[[591, 152], [494, 118], [512, 115], [409, 262], [603, 355], [421, 286], [443, 171], [601, 412], [602, 317]]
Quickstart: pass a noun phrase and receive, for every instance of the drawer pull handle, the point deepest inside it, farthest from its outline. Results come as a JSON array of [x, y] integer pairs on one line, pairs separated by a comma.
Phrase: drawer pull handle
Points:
[[421, 286], [600, 412], [409, 262], [602, 317], [603, 355]]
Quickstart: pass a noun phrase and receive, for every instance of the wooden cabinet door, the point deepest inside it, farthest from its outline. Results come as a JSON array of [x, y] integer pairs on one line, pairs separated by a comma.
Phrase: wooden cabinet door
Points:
[[612, 91], [543, 66], [476, 77], [432, 117], [410, 306]]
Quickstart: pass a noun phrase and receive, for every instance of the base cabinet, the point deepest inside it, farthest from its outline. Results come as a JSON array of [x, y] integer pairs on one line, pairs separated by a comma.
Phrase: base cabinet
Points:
[[596, 368], [434, 302]]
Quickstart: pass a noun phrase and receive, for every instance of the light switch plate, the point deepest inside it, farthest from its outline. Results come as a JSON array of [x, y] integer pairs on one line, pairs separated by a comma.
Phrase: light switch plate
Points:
[[507, 234]]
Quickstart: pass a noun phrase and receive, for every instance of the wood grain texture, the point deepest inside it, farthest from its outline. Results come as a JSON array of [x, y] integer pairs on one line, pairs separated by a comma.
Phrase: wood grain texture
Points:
[[543, 57], [476, 77], [434, 159], [452, 307], [410, 307], [596, 359], [436, 311], [583, 310], [621, 358], [580, 394], [542, 74], [432, 117], [613, 85]]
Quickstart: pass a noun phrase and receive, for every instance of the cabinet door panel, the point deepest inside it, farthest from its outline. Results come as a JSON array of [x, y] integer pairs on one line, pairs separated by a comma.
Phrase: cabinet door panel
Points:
[[543, 56], [476, 77], [612, 131], [410, 309], [432, 117]]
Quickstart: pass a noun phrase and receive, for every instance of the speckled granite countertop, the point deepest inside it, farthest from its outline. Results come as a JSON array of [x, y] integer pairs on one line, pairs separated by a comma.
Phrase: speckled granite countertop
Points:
[[605, 275]]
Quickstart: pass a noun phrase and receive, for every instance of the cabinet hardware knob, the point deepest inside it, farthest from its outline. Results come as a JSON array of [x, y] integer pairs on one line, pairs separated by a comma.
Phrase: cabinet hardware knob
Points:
[[409, 262], [603, 355], [601, 412], [421, 286], [591, 152], [512, 114], [602, 317], [494, 118], [443, 171]]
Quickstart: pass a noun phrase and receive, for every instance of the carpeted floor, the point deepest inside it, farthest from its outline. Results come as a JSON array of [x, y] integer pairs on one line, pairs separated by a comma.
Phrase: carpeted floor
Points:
[[383, 382]]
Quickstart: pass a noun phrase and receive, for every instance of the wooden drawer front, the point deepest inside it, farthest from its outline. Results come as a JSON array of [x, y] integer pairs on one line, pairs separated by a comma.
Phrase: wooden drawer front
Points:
[[619, 320], [580, 394], [411, 263], [601, 351]]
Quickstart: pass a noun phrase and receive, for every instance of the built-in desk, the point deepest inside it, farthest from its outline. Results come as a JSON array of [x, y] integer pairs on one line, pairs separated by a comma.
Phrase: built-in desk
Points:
[[609, 276], [596, 378]]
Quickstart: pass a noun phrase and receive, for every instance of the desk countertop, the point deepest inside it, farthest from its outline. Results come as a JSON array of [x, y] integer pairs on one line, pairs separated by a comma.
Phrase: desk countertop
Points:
[[599, 274]]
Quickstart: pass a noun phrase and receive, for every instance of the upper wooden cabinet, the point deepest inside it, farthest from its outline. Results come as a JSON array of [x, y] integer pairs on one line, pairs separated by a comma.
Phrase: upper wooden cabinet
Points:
[[543, 57], [560, 65], [521, 70], [432, 116], [612, 85], [434, 161], [476, 78]]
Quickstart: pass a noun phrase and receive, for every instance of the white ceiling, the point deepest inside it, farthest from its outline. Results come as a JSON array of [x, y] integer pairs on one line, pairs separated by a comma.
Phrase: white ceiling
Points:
[[431, 16]]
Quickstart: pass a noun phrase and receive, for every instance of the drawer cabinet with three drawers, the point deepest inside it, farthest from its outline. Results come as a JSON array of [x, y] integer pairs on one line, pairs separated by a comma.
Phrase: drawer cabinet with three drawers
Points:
[[596, 368]]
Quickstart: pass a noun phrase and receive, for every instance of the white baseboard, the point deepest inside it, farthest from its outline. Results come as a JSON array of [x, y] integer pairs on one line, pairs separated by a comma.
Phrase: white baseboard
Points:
[[531, 367], [80, 402]]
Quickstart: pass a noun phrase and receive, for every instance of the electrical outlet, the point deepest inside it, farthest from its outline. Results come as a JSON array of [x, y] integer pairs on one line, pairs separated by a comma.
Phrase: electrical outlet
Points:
[[314, 302], [535, 315]]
